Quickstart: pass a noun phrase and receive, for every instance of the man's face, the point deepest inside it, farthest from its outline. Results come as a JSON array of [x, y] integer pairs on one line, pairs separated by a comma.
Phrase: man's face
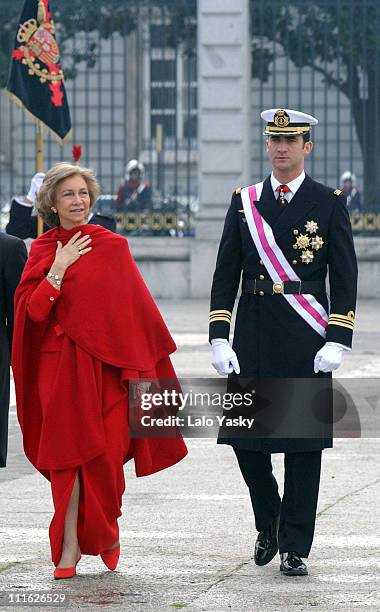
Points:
[[347, 185], [287, 153], [135, 175]]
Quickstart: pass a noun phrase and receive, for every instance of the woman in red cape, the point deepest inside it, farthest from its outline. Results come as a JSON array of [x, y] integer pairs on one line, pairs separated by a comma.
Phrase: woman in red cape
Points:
[[85, 325]]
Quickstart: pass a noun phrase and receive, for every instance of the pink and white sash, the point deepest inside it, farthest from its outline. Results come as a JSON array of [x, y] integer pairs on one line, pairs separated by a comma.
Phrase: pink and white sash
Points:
[[276, 263]]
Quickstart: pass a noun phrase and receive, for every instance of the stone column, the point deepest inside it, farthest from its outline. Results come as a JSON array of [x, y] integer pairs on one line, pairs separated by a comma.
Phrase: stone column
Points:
[[224, 81]]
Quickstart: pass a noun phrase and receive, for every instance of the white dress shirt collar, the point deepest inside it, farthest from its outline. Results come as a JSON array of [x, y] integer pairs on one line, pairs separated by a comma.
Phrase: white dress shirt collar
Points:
[[293, 185]]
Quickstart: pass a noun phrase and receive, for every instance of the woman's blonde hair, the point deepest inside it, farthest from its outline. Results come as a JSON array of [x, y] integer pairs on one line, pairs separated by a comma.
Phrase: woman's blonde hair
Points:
[[47, 194]]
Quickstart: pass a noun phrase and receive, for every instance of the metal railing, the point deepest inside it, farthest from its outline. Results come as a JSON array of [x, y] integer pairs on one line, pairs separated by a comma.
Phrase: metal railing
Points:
[[322, 57], [131, 81]]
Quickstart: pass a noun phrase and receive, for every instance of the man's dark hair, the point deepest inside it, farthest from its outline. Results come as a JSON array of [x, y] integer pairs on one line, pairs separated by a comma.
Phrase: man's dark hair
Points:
[[306, 138]]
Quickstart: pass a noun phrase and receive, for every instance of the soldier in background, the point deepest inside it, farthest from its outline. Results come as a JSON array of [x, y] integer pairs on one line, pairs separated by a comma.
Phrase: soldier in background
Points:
[[22, 222], [348, 183], [135, 194]]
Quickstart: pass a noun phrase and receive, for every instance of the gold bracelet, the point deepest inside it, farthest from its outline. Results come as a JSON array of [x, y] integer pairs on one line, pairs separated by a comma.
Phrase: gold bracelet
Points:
[[55, 278]]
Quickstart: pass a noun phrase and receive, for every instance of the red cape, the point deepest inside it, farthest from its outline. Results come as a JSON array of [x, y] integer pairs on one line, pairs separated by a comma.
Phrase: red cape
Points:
[[108, 316]]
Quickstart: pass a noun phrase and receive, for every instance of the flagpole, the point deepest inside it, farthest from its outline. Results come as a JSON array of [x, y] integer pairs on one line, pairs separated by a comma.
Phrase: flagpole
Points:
[[40, 168]]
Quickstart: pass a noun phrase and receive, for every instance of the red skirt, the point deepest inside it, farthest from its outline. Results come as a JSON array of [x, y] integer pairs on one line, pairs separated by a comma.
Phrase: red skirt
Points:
[[101, 475], [101, 479]]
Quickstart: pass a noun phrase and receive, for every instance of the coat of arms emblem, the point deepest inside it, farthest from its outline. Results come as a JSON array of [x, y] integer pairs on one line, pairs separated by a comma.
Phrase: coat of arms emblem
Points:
[[37, 44], [281, 119]]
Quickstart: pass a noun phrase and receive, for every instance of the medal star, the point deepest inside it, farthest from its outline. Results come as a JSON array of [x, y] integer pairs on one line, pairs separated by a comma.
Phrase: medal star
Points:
[[311, 226], [307, 257], [302, 241], [316, 243]]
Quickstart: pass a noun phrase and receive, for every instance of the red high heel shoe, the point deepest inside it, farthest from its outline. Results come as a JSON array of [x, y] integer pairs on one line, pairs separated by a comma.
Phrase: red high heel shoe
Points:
[[111, 557], [66, 572]]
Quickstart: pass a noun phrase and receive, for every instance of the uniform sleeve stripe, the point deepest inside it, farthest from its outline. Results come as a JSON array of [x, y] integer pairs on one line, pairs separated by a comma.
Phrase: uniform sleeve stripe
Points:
[[227, 312], [343, 317], [341, 320], [341, 324], [220, 319]]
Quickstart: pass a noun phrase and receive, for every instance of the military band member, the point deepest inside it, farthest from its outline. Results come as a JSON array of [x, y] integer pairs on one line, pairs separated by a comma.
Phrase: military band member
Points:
[[284, 235], [135, 194], [348, 182]]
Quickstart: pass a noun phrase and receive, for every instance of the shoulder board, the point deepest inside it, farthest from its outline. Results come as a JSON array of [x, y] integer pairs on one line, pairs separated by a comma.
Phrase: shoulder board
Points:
[[337, 192], [238, 190]]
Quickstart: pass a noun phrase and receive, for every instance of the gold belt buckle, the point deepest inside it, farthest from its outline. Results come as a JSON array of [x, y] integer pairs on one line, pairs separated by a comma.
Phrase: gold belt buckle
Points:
[[278, 287]]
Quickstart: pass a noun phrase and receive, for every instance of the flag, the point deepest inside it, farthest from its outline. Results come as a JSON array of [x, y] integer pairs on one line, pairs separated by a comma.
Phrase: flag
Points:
[[36, 79]]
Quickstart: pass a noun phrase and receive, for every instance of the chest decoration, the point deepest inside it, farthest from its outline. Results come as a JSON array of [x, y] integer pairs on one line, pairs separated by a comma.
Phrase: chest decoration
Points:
[[311, 227], [307, 257], [277, 264], [308, 243]]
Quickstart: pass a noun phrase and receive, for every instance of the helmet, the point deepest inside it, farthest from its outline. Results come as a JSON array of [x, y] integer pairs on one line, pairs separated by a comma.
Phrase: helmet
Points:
[[348, 176], [134, 164]]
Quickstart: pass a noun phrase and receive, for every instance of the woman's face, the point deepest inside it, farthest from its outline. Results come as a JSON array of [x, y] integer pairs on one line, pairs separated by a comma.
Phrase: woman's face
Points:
[[72, 202]]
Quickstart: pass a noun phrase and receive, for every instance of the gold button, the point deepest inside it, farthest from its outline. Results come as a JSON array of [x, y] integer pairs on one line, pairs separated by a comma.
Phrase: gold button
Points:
[[294, 262], [261, 262], [51, 299], [262, 277], [261, 293], [295, 246], [295, 232]]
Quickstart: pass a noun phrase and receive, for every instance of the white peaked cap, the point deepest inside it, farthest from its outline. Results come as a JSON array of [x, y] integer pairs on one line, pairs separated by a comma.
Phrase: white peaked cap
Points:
[[287, 122]]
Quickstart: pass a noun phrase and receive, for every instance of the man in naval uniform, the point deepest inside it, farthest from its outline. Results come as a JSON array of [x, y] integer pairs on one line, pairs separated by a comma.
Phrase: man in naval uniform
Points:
[[284, 234]]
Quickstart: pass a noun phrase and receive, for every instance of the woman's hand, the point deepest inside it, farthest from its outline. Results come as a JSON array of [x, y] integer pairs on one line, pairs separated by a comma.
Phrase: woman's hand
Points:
[[75, 248]]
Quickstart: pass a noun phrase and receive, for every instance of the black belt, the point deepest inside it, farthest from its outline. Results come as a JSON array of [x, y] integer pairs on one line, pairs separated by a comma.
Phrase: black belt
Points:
[[268, 287]]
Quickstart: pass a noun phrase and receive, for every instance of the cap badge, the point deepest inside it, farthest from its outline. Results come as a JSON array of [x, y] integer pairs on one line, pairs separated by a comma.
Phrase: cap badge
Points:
[[281, 119]]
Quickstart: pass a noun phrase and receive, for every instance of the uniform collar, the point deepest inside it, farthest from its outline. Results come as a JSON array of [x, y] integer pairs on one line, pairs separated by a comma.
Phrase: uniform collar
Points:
[[293, 185]]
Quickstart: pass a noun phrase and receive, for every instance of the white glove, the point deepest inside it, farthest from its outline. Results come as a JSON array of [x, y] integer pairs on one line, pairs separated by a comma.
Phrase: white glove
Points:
[[224, 359], [329, 357], [35, 186]]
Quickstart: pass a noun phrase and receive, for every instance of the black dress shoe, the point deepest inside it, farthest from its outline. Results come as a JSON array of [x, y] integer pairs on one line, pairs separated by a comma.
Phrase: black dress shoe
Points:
[[292, 564], [266, 546]]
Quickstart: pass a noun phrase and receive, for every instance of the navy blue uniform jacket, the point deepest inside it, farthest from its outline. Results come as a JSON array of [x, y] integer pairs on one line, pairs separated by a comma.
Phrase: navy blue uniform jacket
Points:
[[271, 340]]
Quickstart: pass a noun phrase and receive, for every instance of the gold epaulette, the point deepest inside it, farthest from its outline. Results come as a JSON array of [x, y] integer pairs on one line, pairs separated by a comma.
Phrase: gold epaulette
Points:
[[238, 190], [337, 192]]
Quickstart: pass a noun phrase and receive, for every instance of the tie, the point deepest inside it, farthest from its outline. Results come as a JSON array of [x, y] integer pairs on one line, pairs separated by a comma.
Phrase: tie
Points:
[[282, 189]]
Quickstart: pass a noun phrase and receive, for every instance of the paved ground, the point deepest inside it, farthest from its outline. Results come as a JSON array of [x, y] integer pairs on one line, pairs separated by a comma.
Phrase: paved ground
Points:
[[187, 534]]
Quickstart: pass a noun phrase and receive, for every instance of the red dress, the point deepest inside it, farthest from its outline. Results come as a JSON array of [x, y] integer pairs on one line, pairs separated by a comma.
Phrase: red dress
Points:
[[75, 351]]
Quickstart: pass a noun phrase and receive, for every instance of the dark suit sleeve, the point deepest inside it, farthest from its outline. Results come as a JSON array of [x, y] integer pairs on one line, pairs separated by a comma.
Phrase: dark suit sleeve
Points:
[[227, 274], [343, 274], [13, 267], [21, 222]]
